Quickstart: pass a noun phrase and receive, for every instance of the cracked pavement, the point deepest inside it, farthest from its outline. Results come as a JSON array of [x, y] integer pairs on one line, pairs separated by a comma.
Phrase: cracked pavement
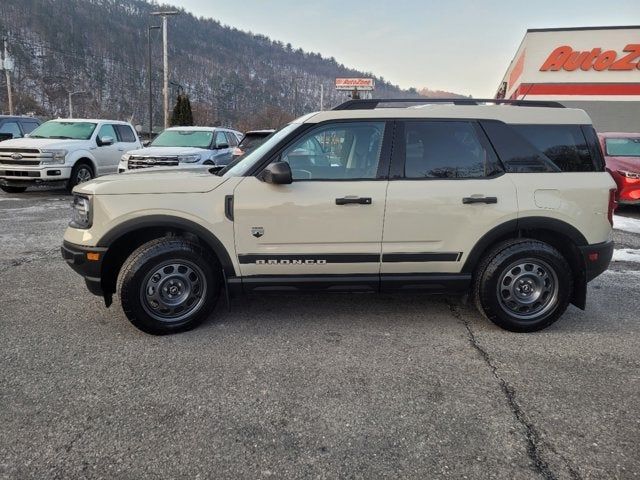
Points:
[[340, 386]]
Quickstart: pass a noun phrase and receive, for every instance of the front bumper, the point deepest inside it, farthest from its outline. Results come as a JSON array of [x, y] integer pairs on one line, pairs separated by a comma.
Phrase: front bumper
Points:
[[77, 258], [25, 176], [596, 258]]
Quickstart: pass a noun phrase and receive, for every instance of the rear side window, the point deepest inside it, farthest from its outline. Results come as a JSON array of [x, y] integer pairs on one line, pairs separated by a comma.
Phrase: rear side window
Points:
[[233, 140], [564, 145], [125, 133], [438, 149]]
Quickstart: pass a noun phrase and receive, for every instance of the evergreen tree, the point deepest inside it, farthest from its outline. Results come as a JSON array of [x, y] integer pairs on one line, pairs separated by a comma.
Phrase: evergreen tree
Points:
[[182, 115]]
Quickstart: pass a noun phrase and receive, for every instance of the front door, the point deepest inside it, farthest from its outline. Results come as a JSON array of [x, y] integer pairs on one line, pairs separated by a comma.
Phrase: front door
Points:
[[447, 190], [107, 156], [329, 220]]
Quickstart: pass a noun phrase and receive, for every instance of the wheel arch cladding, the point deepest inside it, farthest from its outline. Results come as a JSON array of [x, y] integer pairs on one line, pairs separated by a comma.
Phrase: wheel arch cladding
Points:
[[87, 161], [126, 237], [562, 236]]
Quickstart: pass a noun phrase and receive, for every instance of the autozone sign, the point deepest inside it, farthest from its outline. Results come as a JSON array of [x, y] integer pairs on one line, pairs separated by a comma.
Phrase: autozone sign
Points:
[[355, 84], [567, 59]]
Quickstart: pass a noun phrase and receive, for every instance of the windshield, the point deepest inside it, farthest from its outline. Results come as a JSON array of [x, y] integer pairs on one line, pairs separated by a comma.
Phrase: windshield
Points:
[[623, 147], [183, 138], [243, 164], [64, 130]]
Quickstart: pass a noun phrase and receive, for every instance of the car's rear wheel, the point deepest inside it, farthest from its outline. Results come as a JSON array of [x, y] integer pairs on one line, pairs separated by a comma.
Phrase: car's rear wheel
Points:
[[8, 189], [523, 285], [169, 285]]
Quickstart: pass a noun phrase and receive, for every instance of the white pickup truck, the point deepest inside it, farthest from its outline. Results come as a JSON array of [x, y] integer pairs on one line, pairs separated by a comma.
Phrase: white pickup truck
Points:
[[67, 151]]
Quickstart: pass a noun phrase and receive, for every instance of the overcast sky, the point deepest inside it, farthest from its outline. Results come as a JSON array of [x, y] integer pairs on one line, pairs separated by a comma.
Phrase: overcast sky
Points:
[[463, 46]]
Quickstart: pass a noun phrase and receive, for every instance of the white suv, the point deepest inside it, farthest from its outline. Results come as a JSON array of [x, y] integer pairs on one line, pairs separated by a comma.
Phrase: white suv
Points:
[[67, 151], [184, 146], [508, 202]]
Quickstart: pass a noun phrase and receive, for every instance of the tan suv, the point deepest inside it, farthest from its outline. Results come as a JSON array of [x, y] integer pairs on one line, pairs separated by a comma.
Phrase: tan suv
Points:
[[508, 201]]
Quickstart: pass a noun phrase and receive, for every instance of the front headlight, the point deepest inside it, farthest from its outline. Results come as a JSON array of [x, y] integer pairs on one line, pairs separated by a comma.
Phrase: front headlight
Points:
[[58, 157], [82, 215], [188, 158]]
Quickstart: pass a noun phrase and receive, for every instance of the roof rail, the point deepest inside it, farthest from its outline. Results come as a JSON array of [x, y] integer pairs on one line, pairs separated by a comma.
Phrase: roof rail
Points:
[[370, 104]]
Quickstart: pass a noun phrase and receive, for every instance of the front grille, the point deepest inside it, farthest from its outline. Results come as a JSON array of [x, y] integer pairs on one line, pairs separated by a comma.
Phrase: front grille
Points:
[[11, 162], [18, 150], [135, 163]]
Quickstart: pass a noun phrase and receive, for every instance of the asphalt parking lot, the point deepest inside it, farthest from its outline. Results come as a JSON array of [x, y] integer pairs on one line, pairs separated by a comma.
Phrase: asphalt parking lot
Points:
[[343, 386]]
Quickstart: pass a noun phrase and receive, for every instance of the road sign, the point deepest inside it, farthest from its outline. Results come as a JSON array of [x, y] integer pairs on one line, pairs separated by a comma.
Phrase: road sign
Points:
[[360, 84]]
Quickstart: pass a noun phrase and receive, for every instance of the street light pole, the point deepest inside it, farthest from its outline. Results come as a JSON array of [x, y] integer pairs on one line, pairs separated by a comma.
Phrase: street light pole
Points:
[[165, 61], [151, 27]]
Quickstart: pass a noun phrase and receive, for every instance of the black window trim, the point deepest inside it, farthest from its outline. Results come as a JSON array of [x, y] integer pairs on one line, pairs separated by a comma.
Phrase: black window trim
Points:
[[383, 162], [397, 171]]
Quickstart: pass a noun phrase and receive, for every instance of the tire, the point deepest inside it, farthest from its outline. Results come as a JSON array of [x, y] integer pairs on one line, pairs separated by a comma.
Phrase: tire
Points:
[[8, 189], [169, 285], [80, 173], [523, 285]]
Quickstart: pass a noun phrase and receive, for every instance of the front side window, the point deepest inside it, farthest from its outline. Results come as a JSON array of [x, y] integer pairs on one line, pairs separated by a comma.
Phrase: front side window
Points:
[[623, 147], [232, 139], [337, 151], [183, 138], [65, 130], [107, 130], [441, 149], [29, 127]]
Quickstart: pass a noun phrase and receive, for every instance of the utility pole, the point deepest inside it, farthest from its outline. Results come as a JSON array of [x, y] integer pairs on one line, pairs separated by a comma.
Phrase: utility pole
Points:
[[165, 61], [71, 94], [7, 65], [151, 27], [321, 97]]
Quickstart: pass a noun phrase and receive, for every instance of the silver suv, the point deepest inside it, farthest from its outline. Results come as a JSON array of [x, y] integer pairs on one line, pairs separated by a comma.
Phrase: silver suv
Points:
[[509, 202]]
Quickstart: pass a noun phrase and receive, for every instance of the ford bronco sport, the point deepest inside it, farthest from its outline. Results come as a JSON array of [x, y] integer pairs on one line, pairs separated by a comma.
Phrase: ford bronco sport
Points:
[[509, 202]]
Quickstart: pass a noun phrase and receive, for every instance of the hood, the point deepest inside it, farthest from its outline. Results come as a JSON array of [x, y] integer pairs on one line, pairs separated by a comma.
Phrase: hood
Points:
[[42, 143], [196, 179], [629, 164], [169, 151]]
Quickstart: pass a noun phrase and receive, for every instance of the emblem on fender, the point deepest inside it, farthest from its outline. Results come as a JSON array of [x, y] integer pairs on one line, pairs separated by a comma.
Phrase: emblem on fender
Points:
[[257, 231]]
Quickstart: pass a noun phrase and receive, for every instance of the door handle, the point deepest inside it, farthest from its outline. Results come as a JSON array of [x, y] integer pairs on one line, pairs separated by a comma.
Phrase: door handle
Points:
[[350, 200], [470, 200]]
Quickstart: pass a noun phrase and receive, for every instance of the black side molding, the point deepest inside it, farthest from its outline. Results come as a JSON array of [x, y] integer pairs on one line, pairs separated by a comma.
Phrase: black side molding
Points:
[[228, 207]]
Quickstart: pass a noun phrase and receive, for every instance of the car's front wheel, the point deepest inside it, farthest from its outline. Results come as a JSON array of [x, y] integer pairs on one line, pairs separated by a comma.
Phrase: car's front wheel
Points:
[[80, 173], [169, 285], [523, 285]]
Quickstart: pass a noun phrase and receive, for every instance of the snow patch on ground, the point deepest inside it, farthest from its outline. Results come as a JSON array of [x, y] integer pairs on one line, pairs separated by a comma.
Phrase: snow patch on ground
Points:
[[626, 255], [627, 224]]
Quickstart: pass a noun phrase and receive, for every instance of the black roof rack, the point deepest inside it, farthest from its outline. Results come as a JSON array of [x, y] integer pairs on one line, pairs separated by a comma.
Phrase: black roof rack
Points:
[[370, 104]]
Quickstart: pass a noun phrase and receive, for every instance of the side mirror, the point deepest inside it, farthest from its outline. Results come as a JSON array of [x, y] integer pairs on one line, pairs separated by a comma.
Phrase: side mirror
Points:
[[277, 173], [221, 146], [104, 141]]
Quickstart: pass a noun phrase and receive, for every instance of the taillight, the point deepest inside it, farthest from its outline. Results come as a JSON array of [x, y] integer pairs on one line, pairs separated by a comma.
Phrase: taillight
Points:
[[612, 205]]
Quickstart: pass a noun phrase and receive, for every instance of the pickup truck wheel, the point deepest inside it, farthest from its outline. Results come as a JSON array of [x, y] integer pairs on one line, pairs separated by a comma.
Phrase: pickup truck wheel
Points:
[[523, 285], [80, 173], [168, 285], [8, 189]]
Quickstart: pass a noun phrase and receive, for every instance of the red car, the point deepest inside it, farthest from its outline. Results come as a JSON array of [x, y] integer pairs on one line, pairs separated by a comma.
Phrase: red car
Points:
[[622, 157]]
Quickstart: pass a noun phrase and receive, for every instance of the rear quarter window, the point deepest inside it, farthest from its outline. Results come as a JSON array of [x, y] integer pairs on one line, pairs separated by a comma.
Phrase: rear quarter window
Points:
[[125, 133]]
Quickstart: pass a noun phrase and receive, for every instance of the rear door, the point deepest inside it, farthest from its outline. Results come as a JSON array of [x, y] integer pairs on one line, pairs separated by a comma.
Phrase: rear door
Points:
[[446, 190], [329, 220]]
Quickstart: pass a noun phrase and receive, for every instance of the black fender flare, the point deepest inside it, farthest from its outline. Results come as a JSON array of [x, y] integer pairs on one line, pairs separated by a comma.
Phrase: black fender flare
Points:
[[169, 221], [512, 227]]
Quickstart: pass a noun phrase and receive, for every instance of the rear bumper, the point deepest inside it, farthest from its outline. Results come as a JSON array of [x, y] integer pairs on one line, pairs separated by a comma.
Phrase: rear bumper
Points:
[[90, 270], [596, 258]]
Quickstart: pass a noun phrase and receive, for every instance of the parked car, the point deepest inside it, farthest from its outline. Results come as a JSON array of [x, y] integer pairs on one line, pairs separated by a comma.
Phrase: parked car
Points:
[[251, 140], [622, 156], [184, 146], [65, 151], [16, 126], [460, 197]]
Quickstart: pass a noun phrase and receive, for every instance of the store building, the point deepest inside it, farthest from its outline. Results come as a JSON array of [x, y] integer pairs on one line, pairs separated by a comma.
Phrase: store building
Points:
[[593, 68]]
